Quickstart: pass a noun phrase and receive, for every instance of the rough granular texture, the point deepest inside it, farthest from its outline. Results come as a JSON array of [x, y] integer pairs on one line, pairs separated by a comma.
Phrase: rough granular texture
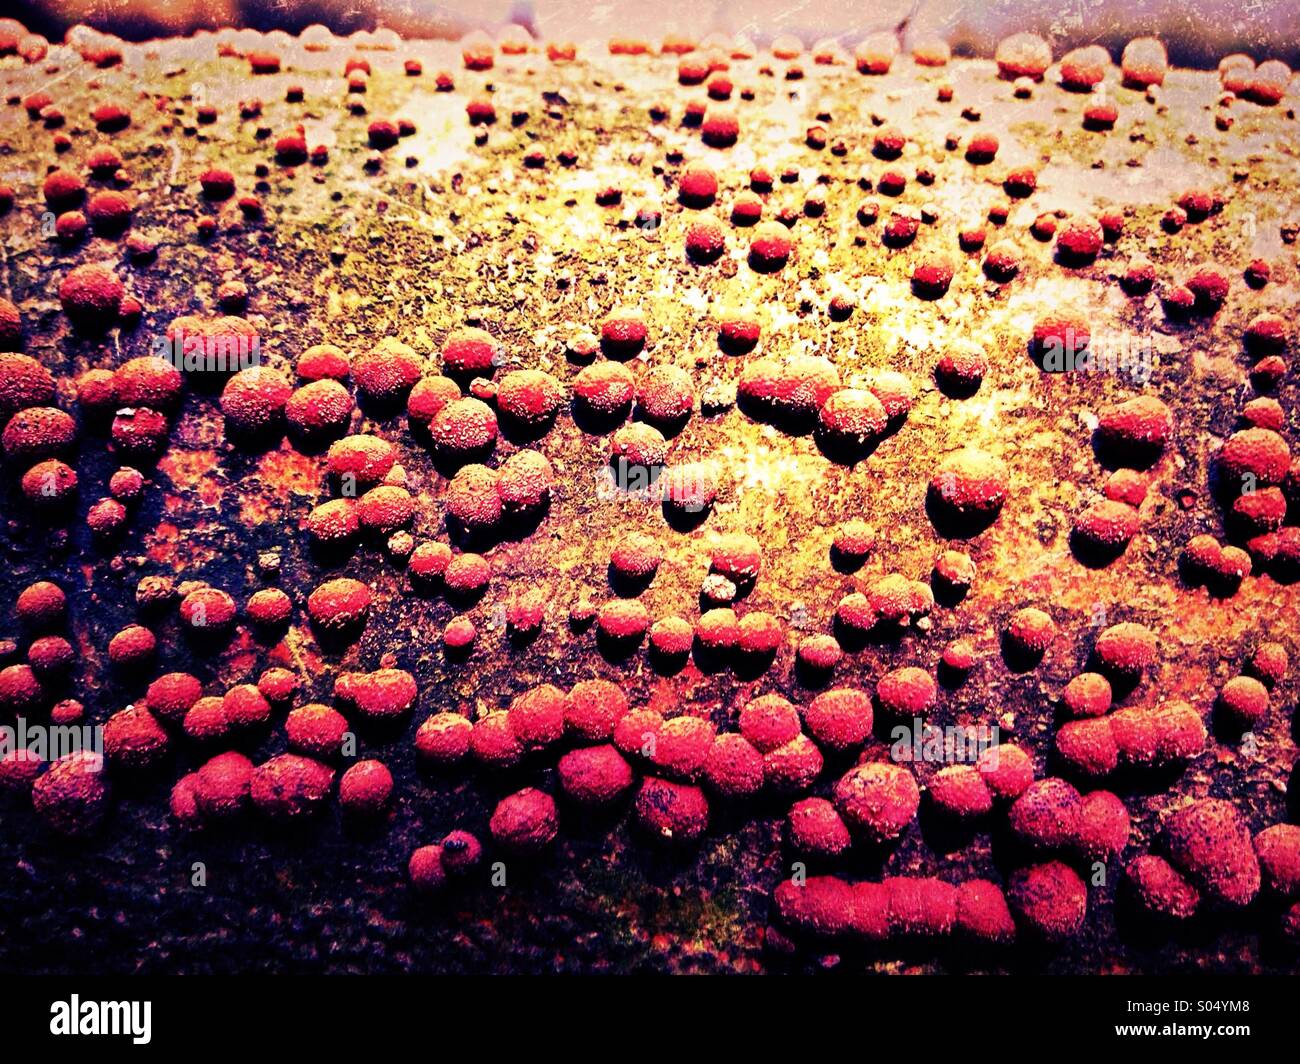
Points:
[[911, 403]]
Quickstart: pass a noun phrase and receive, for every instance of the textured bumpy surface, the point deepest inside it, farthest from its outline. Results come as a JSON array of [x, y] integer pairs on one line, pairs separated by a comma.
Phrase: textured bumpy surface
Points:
[[731, 378]]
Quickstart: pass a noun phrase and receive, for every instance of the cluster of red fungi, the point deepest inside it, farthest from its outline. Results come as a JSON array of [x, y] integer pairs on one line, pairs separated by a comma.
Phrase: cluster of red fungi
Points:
[[605, 750]]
